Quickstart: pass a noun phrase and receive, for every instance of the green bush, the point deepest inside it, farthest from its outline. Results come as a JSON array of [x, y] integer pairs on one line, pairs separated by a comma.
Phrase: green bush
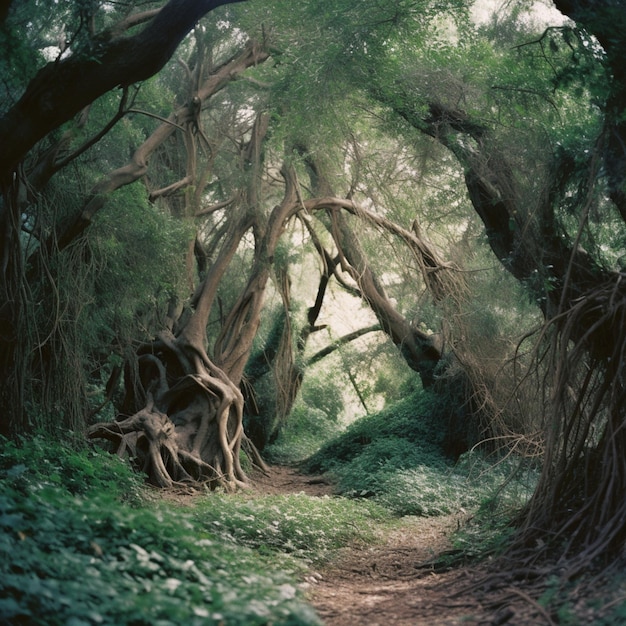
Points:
[[323, 393], [371, 472], [396, 458], [414, 421], [70, 466], [471, 484]]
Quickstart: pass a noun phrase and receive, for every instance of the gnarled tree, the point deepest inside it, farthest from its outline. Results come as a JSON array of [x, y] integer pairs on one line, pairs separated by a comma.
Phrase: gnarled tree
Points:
[[96, 63]]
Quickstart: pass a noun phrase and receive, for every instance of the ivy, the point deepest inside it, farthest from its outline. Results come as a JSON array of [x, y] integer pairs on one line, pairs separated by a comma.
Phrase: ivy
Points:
[[82, 557]]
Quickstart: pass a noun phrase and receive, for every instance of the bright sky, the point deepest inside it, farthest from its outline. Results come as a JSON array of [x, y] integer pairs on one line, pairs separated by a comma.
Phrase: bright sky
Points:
[[541, 11]]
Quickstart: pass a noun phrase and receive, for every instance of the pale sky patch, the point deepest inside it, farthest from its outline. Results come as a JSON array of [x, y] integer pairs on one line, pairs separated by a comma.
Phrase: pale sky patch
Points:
[[541, 12]]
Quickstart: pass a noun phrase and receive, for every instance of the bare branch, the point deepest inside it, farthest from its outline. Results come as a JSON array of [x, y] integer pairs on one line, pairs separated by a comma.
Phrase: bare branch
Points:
[[342, 341]]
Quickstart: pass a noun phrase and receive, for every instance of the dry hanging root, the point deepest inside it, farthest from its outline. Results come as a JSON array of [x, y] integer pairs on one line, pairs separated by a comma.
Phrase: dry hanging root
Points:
[[579, 506]]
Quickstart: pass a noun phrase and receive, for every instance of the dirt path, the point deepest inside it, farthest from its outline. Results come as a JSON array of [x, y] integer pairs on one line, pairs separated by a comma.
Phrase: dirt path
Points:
[[385, 584], [392, 582]]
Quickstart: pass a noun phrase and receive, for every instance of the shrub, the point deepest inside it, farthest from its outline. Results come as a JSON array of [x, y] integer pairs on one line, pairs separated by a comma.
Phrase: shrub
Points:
[[70, 466], [396, 458], [413, 420]]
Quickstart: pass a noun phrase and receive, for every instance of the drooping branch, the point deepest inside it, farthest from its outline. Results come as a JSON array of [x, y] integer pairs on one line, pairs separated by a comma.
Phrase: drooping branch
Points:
[[63, 88], [137, 167], [330, 269], [526, 240], [578, 503], [442, 278], [418, 348]]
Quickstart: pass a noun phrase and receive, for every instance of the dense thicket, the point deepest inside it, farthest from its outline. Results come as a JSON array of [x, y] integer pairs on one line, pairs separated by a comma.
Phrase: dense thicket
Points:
[[464, 181]]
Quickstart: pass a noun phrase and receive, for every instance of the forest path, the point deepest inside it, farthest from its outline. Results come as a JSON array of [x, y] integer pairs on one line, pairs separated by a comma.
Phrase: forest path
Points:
[[386, 583]]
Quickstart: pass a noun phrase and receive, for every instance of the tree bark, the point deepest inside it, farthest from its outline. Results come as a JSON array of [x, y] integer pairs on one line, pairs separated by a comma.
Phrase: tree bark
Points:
[[63, 88]]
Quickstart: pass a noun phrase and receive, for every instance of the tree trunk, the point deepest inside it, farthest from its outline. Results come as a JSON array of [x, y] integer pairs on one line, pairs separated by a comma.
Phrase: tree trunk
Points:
[[186, 422], [419, 350], [59, 91]]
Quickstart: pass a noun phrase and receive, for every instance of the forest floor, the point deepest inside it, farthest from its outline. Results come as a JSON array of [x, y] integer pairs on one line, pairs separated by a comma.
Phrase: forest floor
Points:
[[393, 583]]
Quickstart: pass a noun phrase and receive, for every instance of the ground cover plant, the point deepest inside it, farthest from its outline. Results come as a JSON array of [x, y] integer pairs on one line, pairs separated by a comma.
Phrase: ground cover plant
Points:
[[303, 434], [83, 557], [308, 528], [83, 542], [397, 458]]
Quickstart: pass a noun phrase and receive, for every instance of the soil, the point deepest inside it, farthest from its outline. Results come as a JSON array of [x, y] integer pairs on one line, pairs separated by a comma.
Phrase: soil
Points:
[[395, 582]]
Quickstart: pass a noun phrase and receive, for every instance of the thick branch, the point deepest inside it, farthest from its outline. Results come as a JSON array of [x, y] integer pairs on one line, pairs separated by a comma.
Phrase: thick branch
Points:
[[138, 165], [342, 341], [63, 88]]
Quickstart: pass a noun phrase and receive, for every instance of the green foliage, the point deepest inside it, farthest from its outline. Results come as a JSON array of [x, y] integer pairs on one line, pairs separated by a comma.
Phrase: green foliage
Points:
[[413, 420], [18, 60], [395, 457], [306, 429], [385, 454], [313, 421], [615, 613], [72, 553], [592, 598], [139, 251], [69, 467], [108, 290], [309, 528], [323, 393], [496, 490], [426, 490]]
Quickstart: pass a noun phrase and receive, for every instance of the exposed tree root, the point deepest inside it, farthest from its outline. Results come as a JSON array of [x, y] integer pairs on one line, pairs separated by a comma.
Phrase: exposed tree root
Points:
[[186, 417]]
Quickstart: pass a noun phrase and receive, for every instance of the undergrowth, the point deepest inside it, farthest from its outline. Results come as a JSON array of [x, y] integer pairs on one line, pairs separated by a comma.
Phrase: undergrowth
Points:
[[301, 435], [80, 543], [298, 525], [395, 457]]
